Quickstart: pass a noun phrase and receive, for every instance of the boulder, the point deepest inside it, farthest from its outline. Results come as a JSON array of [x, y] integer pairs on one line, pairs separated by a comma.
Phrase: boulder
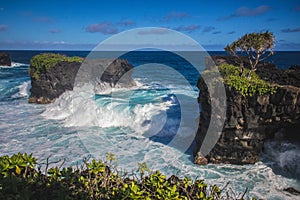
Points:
[[5, 59]]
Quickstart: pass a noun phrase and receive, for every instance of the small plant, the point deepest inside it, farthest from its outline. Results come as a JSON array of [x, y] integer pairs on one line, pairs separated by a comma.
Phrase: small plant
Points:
[[18, 164], [245, 86], [143, 169]]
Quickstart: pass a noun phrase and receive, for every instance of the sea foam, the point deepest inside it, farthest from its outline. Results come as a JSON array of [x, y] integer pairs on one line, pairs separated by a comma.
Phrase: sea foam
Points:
[[82, 107], [13, 65], [24, 89]]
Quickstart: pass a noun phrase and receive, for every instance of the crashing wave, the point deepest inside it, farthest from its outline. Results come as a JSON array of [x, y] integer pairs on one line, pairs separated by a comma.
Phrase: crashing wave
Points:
[[23, 90], [13, 65], [113, 107]]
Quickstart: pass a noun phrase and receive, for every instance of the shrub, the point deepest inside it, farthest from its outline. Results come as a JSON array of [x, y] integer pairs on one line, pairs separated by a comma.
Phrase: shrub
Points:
[[95, 180], [245, 86]]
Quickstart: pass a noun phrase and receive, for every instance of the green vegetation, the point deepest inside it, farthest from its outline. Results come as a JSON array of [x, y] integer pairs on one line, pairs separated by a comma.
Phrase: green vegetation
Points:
[[19, 179], [43, 62], [245, 86], [257, 47]]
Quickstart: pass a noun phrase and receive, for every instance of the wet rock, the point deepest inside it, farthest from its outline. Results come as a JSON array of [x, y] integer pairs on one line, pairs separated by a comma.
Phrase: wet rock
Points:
[[5, 59], [200, 160], [292, 190], [49, 82]]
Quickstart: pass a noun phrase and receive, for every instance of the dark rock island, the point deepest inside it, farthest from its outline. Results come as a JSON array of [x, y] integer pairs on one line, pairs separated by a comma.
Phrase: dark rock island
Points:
[[254, 112], [53, 74], [5, 59]]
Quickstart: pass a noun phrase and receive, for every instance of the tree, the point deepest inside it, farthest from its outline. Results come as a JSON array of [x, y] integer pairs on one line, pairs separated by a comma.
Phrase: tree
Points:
[[257, 47]]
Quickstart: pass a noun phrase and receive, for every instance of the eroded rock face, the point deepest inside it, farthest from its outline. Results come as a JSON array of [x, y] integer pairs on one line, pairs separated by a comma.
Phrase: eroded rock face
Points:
[[251, 120], [51, 83], [270, 73], [5, 59]]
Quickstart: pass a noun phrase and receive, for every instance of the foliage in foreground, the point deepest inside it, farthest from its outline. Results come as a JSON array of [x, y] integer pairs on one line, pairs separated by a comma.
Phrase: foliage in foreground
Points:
[[245, 86], [45, 61], [19, 179]]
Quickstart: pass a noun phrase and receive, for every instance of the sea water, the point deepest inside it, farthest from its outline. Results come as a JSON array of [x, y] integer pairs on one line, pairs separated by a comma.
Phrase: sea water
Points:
[[138, 124]]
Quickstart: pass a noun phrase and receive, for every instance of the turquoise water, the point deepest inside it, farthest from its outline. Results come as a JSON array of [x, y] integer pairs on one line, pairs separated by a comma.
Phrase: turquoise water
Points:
[[153, 122]]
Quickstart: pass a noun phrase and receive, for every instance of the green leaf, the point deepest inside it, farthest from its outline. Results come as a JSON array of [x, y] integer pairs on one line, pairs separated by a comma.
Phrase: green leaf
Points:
[[18, 170]]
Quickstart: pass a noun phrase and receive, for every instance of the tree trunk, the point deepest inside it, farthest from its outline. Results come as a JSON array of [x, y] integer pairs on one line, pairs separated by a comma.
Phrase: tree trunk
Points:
[[241, 69], [249, 74]]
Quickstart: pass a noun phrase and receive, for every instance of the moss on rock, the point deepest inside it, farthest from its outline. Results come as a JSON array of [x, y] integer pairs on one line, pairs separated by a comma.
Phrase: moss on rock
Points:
[[45, 61]]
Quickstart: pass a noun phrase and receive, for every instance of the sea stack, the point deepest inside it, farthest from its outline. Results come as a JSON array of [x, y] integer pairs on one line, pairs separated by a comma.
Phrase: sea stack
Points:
[[53, 74], [5, 59]]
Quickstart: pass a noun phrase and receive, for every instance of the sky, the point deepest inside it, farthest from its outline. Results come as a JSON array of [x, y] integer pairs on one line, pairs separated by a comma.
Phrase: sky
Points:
[[81, 25]]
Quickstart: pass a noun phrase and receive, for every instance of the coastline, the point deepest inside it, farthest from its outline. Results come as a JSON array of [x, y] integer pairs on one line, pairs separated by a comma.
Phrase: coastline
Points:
[[51, 130]]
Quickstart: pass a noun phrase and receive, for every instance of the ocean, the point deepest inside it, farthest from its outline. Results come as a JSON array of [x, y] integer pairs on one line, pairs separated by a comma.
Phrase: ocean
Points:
[[143, 123]]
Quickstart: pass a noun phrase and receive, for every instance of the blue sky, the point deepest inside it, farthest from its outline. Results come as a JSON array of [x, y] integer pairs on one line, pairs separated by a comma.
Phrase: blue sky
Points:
[[81, 25]]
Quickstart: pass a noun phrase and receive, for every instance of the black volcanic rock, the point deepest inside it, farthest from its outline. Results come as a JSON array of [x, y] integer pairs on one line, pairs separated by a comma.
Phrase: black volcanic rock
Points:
[[5, 59], [107, 70], [49, 82], [114, 72], [270, 73], [250, 120]]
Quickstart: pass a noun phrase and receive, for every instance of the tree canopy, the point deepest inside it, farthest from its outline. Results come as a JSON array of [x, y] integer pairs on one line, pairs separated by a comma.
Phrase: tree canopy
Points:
[[256, 46]]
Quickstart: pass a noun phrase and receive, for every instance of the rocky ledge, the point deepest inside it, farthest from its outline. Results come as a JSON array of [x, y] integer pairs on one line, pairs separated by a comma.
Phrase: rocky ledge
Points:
[[250, 120], [53, 74], [5, 59]]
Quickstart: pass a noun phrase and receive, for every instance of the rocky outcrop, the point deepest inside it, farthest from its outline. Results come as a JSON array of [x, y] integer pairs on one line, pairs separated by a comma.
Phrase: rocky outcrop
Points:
[[49, 82], [5, 59], [251, 120], [289, 76], [115, 72], [120, 71]]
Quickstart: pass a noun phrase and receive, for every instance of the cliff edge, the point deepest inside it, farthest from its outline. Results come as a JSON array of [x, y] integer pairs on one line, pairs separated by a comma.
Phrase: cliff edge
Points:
[[254, 113]]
